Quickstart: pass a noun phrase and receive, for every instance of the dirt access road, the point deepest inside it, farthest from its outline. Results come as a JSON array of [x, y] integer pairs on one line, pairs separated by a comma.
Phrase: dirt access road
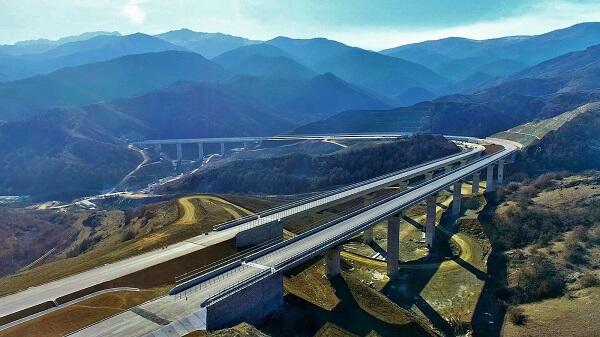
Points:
[[188, 205]]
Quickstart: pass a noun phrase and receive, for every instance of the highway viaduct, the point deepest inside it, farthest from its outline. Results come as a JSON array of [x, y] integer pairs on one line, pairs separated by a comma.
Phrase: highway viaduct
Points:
[[249, 288], [243, 230], [246, 141]]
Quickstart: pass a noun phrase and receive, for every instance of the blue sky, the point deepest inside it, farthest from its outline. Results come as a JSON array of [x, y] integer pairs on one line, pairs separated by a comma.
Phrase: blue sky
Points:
[[374, 24]]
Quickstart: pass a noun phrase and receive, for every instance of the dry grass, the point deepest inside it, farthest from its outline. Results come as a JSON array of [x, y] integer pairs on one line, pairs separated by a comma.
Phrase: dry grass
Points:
[[154, 281], [376, 304], [206, 215], [332, 330], [574, 317], [240, 330], [312, 286]]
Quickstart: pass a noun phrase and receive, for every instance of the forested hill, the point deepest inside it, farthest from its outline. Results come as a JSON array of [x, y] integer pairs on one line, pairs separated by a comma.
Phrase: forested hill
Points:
[[301, 173]]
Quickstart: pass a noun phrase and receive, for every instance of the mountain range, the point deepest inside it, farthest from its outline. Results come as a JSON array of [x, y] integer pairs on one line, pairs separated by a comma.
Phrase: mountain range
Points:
[[459, 59], [541, 91], [120, 77], [96, 49], [109, 89], [208, 45]]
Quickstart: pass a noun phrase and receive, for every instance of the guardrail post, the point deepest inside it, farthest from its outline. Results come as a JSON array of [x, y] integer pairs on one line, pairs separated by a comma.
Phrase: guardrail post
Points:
[[489, 181], [332, 259], [393, 244], [430, 221], [475, 185], [456, 198]]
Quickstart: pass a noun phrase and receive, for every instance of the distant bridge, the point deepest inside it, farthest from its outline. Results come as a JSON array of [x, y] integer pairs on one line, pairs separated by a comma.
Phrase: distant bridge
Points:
[[246, 141]]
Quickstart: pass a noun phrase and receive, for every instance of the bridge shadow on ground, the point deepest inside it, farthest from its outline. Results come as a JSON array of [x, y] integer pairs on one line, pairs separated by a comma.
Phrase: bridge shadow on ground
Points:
[[301, 318], [377, 248], [406, 288], [413, 222], [490, 312]]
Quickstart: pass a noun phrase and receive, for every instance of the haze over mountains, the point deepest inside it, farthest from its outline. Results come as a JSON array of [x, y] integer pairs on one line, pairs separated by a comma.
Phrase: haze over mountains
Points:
[[99, 90], [541, 91], [460, 59]]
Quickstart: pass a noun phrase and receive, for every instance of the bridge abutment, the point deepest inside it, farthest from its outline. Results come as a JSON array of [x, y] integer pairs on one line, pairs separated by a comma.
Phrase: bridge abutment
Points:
[[250, 304], [259, 234]]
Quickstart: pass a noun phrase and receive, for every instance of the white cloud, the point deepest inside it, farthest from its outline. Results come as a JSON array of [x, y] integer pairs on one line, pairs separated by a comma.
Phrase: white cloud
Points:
[[134, 12]]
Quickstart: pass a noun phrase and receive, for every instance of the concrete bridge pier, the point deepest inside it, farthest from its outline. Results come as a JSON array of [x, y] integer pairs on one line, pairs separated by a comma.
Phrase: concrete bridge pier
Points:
[[428, 175], [200, 151], [500, 172], [475, 185], [393, 244], [368, 235], [447, 169], [332, 261], [430, 220], [246, 145], [222, 149], [456, 198], [179, 152], [489, 178], [157, 148]]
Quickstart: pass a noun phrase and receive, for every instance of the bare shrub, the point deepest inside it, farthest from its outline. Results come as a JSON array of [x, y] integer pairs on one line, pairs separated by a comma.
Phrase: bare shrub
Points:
[[537, 279], [517, 315], [588, 280], [127, 235]]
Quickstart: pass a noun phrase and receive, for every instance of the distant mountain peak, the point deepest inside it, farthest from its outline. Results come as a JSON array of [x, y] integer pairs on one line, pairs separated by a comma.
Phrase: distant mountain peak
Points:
[[207, 44]]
